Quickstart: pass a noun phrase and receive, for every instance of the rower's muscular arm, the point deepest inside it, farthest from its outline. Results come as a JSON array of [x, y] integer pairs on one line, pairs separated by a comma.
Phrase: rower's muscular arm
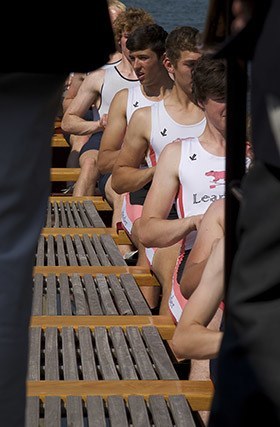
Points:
[[113, 134], [127, 176], [155, 229], [88, 95]]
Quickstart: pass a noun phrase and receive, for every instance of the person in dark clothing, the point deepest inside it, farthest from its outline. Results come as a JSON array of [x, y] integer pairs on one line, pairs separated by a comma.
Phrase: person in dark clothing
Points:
[[31, 84], [248, 384]]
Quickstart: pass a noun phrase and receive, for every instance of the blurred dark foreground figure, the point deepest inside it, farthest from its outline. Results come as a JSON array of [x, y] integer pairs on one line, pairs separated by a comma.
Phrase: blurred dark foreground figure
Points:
[[31, 83], [247, 391]]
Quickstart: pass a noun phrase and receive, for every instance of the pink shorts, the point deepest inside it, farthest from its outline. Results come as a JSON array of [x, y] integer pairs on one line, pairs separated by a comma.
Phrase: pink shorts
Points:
[[177, 301], [130, 213]]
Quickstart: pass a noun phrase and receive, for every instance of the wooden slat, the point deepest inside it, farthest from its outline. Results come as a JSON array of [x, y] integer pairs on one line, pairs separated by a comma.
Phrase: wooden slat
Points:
[[158, 352], [40, 254], [181, 411], [37, 303], [34, 365], [92, 213], [87, 354], [198, 393], [79, 296], [92, 296], [51, 295], [80, 252], [64, 222], [49, 215], [51, 354], [61, 256], [112, 250], [107, 364], [159, 411], [32, 411], [74, 411], [98, 201], [95, 410], [76, 214], [50, 251], [119, 295], [72, 260], [64, 174], [142, 275], [138, 411], [164, 324], [117, 412], [93, 259], [85, 220], [107, 303], [52, 411], [100, 251], [138, 349], [69, 215], [134, 294], [125, 362], [70, 368], [56, 215], [65, 298]]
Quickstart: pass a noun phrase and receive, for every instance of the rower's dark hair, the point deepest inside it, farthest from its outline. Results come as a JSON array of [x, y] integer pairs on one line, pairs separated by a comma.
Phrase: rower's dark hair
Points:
[[181, 39], [208, 79], [148, 37]]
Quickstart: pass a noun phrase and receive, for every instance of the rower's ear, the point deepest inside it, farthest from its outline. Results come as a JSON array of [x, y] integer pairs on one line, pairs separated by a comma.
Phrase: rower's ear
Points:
[[167, 63]]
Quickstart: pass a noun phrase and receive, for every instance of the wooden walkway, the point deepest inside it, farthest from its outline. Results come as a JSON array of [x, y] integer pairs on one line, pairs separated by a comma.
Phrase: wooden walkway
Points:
[[98, 357]]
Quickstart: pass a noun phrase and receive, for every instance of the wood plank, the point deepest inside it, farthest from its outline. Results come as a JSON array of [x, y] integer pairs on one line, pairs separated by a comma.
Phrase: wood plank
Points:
[[93, 215], [37, 303], [49, 215], [122, 354], [61, 255], [72, 260], [85, 220], [51, 354], [50, 251], [92, 296], [117, 412], [51, 307], [107, 304], [76, 215], [87, 354], [81, 307], [112, 250], [142, 275], [56, 215], [96, 411], [64, 222], [164, 324], [80, 252], [103, 350], [158, 353], [93, 259], [98, 201], [64, 174], [70, 368], [34, 365], [181, 411], [40, 252], [198, 393], [134, 295], [65, 298], [138, 411], [32, 411], [159, 411], [99, 250], [139, 352], [74, 406], [69, 215], [119, 295], [52, 411]]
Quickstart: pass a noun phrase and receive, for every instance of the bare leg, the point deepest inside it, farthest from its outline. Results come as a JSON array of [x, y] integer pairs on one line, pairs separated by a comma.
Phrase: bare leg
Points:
[[86, 183]]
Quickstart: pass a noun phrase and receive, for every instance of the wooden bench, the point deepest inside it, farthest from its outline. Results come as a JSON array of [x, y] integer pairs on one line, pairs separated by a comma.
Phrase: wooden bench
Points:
[[114, 410], [64, 174], [87, 295], [58, 140]]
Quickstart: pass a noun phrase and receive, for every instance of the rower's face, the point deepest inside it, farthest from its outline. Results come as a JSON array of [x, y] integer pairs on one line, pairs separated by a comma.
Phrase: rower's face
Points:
[[146, 65], [183, 69], [216, 113]]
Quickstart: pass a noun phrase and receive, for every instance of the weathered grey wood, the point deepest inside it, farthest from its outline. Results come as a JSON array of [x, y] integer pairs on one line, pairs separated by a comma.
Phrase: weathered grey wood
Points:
[[117, 412], [81, 307], [49, 215], [99, 250], [92, 296], [112, 250], [52, 411], [69, 215], [40, 254], [138, 411], [107, 303], [87, 354], [106, 361], [64, 222], [70, 367], [32, 411], [51, 295], [135, 295], [120, 298], [74, 406], [93, 259], [125, 362], [181, 411], [56, 215], [86, 222], [82, 257], [72, 260], [61, 256], [79, 222], [96, 411], [139, 352], [162, 362], [50, 251], [34, 365], [65, 298], [159, 411], [51, 354], [93, 215], [37, 302]]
